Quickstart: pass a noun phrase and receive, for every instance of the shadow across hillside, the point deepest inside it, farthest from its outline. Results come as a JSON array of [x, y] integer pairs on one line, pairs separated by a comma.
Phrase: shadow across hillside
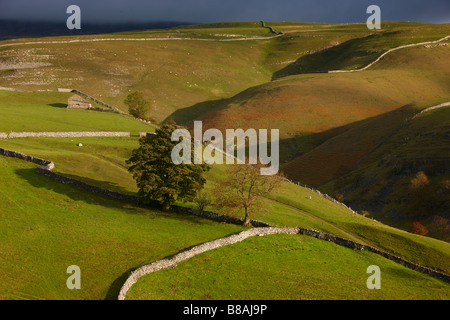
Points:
[[114, 289], [73, 192], [58, 105], [303, 142], [188, 114], [102, 184], [298, 144], [79, 194], [354, 141], [349, 54]]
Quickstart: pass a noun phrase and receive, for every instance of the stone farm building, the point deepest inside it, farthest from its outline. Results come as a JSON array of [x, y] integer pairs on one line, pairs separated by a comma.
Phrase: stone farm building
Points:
[[77, 102]]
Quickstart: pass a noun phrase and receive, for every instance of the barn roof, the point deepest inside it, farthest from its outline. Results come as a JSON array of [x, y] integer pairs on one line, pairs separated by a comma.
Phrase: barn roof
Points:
[[77, 98]]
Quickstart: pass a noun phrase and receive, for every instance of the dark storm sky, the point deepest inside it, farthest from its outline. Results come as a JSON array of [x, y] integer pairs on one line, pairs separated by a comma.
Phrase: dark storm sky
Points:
[[333, 11]]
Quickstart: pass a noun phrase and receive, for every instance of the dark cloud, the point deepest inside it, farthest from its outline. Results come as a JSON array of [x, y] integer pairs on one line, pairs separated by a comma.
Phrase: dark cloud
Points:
[[332, 11]]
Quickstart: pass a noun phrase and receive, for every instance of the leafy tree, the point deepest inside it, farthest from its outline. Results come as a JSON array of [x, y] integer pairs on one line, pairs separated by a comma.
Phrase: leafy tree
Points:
[[202, 200], [339, 197], [157, 177], [420, 181], [418, 228], [137, 104], [243, 189]]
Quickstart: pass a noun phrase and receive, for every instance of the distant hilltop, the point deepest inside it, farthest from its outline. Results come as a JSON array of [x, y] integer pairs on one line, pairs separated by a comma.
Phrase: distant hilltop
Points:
[[13, 29]]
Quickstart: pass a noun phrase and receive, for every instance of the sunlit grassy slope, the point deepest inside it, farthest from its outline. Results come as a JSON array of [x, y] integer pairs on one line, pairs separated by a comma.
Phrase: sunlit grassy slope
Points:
[[173, 74], [47, 226], [357, 46], [188, 78], [47, 112], [59, 225], [309, 109], [311, 269], [102, 162]]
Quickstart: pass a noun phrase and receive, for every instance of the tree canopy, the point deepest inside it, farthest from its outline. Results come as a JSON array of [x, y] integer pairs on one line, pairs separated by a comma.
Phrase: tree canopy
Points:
[[137, 104], [157, 177]]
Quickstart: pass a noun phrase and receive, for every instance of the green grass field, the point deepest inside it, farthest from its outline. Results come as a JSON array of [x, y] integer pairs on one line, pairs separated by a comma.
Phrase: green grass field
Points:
[[102, 162], [312, 269], [46, 111], [47, 226]]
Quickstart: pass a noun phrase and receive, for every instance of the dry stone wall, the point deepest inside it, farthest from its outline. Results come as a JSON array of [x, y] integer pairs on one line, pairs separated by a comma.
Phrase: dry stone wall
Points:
[[146, 134], [64, 90], [12, 89], [265, 231], [96, 101], [445, 104], [391, 50], [184, 255], [45, 169], [324, 195], [110, 107], [63, 134], [270, 28], [39, 161], [66, 180]]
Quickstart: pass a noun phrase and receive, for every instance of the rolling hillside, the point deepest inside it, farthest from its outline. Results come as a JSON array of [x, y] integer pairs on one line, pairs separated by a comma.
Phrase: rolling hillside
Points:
[[187, 78], [97, 220], [382, 195], [173, 74], [252, 273], [311, 108], [47, 226], [382, 181], [101, 162], [343, 132]]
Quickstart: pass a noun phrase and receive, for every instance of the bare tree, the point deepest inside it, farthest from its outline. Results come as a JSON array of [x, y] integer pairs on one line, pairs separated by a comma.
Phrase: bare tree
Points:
[[243, 189]]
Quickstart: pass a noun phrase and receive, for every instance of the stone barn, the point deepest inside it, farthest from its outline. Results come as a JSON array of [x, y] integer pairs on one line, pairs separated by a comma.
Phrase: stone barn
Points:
[[77, 102]]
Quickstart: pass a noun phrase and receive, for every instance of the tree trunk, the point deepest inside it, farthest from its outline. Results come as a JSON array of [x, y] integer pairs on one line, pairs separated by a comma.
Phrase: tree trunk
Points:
[[247, 222]]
